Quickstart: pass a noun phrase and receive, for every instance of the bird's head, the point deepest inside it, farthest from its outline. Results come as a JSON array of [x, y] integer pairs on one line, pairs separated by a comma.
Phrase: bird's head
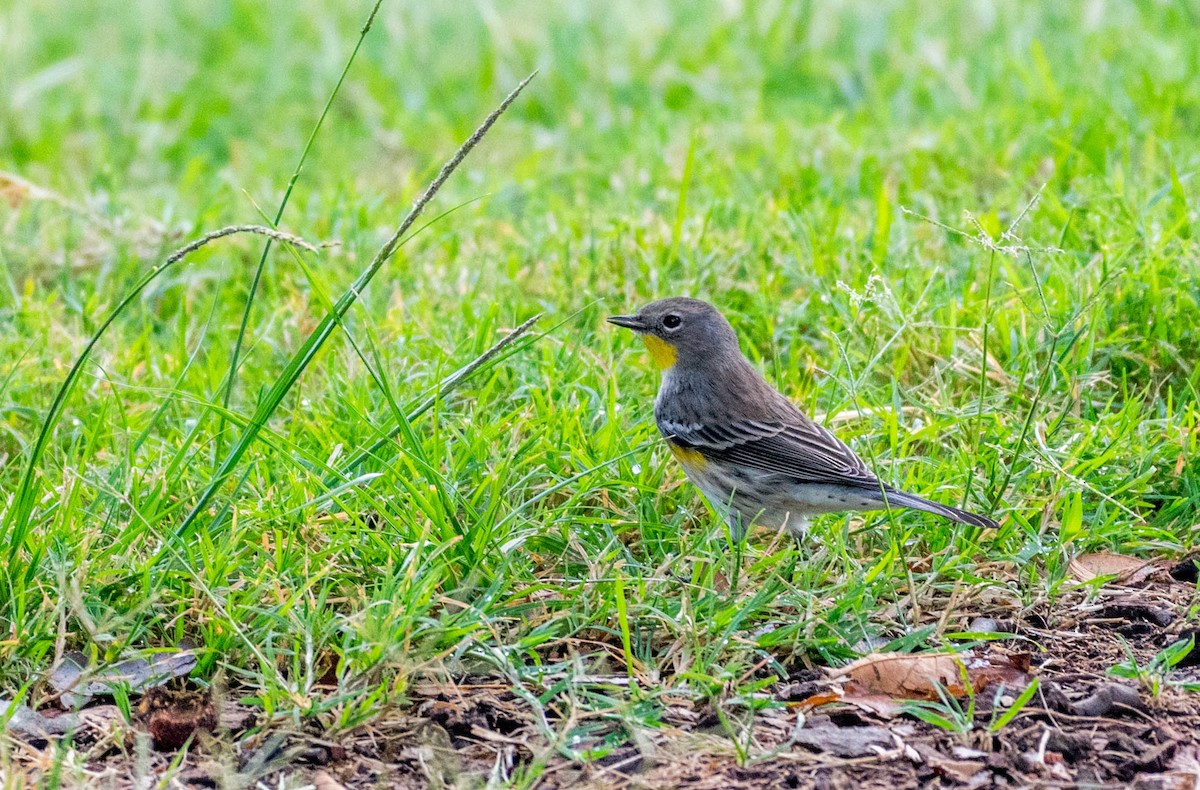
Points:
[[680, 329]]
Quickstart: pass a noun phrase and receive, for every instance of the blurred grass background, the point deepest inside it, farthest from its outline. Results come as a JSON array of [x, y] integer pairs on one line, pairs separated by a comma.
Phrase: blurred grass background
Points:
[[766, 156]]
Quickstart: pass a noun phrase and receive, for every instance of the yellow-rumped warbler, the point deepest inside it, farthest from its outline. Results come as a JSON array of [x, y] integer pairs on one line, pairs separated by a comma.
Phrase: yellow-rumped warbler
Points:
[[756, 457]]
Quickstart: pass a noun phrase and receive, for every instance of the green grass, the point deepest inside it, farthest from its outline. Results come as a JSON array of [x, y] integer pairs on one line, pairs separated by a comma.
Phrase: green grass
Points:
[[790, 164]]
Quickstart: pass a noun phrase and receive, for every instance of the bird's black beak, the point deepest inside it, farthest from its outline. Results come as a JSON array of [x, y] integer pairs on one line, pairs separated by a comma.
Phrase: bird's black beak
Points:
[[627, 321]]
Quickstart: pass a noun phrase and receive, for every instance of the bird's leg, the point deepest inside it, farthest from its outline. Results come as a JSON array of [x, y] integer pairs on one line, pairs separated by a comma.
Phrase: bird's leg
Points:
[[735, 546], [796, 526]]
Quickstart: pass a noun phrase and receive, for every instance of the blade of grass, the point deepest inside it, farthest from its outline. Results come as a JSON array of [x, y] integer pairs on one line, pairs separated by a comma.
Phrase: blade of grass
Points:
[[433, 477], [316, 339], [983, 368], [287, 194], [451, 382], [1015, 708], [1043, 383], [444, 388], [17, 521], [623, 620]]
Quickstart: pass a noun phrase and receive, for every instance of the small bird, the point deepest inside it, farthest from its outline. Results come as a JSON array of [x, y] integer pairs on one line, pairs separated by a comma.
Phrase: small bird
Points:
[[753, 454]]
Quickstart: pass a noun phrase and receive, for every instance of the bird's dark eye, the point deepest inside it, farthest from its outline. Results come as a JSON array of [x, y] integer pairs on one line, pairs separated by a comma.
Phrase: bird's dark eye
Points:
[[672, 321]]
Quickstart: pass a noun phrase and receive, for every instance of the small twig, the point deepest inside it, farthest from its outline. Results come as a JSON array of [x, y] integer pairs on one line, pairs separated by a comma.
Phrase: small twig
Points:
[[1041, 750], [1009, 242]]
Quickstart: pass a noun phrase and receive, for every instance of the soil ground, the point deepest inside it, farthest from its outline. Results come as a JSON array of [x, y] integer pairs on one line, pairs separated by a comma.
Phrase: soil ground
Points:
[[1083, 728]]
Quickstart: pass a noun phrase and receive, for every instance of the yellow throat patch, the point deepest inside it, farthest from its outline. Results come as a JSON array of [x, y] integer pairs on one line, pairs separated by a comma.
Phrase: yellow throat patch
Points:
[[662, 352]]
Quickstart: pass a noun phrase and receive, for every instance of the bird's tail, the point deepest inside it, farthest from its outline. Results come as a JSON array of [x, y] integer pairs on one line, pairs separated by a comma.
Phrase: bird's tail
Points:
[[897, 498]]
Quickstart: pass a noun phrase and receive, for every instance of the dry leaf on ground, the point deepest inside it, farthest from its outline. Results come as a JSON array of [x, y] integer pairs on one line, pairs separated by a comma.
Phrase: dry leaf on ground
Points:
[[921, 675], [817, 700], [1126, 569], [77, 682]]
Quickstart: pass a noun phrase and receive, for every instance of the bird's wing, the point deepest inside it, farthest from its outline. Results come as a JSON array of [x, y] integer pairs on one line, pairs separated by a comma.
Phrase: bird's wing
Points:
[[803, 450]]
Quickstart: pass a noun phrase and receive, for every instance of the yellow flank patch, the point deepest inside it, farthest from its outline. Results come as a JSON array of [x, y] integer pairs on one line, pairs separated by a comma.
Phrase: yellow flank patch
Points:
[[692, 458], [662, 352]]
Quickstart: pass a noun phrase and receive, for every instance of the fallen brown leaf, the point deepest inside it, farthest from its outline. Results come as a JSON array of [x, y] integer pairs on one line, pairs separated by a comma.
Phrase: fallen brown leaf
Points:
[[922, 675], [994, 669], [880, 705], [965, 772], [904, 675], [1125, 569], [817, 700]]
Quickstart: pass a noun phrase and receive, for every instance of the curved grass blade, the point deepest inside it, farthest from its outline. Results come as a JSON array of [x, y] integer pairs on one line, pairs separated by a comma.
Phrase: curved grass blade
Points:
[[16, 521], [316, 339], [287, 195], [446, 386]]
